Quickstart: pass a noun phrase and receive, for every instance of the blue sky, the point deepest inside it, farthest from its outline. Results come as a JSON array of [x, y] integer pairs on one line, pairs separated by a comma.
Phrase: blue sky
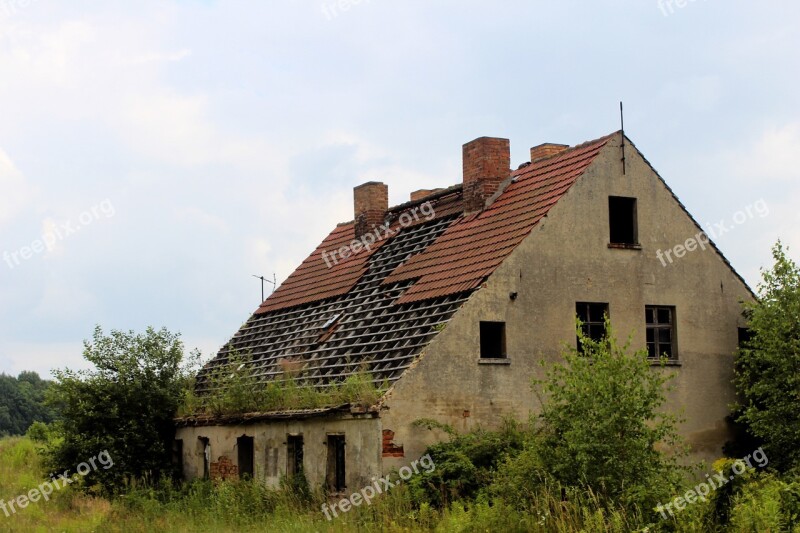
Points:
[[170, 150]]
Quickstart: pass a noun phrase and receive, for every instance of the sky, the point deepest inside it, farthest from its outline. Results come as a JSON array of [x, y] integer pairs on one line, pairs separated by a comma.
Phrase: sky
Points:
[[155, 155]]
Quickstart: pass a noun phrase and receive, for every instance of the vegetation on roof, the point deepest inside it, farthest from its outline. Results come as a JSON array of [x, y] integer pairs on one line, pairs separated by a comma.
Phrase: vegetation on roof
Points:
[[233, 388]]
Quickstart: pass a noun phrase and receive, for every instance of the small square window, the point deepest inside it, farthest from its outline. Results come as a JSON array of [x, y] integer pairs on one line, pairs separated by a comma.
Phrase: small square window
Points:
[[593, 320], [660, 327], [493, 340], [622, 220]]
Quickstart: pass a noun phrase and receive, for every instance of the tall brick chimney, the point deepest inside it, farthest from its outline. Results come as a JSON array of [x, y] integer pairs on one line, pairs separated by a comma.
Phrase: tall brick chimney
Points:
[[486, 162], [370, 204], [546, 150]]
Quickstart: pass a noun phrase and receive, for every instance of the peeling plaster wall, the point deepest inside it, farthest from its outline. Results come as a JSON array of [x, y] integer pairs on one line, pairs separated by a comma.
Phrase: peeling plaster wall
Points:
[[566, 259], [362, 448]]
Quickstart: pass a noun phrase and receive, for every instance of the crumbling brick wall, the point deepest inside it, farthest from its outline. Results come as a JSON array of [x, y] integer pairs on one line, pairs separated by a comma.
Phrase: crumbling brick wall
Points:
[[224, 469]]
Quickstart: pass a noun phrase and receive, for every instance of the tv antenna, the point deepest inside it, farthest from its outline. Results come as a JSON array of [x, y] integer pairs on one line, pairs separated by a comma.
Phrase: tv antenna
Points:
[[622, 131], [273, 281]]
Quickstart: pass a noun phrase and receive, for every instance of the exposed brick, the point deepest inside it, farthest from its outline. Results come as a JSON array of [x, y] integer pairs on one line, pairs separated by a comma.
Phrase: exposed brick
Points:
[[546, 150], [370, 204], [486, 163], [422, 193], [223, 469], [390, 449]]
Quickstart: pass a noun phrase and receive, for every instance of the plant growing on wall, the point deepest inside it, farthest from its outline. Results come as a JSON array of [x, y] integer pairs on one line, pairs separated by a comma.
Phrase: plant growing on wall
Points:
[[233, 388]]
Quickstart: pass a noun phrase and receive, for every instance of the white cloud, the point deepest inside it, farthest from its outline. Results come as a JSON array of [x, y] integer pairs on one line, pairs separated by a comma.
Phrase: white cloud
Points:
[[699, 93], [157, 57], [41, 357], [16, 191], [775, 156], [64, 301]]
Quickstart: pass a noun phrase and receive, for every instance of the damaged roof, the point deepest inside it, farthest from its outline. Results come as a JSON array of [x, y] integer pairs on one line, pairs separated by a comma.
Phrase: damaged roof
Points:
[[378, 309]]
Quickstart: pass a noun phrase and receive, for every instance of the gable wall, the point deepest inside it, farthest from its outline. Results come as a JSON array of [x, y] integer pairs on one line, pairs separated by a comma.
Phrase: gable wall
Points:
[[566, 259]]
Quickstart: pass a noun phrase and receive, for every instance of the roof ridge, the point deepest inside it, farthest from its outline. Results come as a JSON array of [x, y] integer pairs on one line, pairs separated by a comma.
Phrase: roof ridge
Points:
[[566, 151]]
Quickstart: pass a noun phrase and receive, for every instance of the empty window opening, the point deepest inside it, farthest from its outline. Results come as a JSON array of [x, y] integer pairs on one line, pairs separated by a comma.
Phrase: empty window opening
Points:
[[622, 220], [335, 476], [593, 320], [294, 455], [177, 457], [745, 336], [246, 451], [660, 322], [205, 449], [493, 340]]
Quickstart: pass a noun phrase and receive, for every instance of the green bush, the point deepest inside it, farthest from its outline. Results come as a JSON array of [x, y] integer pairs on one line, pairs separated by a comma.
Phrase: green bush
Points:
[[601, 423], [466, 463], [768, 366], [758, 506], [124, 406]]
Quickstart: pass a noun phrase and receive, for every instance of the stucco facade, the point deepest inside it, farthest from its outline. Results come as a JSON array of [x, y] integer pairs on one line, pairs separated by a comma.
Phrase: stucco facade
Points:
[[270, 453], [566, 258]]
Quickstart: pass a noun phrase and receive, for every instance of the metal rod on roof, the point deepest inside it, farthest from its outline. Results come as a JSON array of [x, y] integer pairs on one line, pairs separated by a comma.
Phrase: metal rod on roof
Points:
[[263, 279], [622, 131]]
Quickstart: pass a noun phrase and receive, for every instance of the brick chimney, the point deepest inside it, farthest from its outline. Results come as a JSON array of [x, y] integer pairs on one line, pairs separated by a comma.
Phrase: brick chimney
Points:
[[486, 163], [422, 193], [370, 204], [546, 150]]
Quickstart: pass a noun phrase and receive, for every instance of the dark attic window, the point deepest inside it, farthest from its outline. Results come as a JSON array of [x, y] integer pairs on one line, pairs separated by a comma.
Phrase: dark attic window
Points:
[[493, 340], [622, 221]]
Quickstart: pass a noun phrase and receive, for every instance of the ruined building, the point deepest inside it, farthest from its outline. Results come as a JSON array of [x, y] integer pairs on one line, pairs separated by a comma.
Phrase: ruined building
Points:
[[453, 299]]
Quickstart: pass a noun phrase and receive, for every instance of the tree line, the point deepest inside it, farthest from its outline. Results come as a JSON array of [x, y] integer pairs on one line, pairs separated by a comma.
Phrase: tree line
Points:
[[22, 402]]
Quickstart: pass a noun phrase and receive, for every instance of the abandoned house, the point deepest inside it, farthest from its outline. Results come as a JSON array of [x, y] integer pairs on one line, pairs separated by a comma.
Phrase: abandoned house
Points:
[[454, 297]]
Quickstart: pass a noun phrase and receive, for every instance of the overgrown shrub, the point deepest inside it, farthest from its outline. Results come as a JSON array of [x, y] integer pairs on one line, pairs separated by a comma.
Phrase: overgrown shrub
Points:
[[602, 426], [768, 365], [124, 405], [466, 463]]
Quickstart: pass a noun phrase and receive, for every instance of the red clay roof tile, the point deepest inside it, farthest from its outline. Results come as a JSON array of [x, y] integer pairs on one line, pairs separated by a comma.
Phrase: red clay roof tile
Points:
[[472, 247], [463, 256]]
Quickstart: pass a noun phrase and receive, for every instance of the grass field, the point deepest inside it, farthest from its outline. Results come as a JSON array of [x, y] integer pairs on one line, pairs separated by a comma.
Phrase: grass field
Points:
[[243, 506]]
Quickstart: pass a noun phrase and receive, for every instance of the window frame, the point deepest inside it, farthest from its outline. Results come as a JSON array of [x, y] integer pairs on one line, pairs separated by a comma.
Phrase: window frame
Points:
[[657, 326], [487, 354], [613, 216], [592, 321], [336, 463], [294, 454]]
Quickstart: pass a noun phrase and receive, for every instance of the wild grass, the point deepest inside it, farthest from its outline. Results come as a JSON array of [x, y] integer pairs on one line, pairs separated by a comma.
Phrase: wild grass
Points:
[[250, 506]]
